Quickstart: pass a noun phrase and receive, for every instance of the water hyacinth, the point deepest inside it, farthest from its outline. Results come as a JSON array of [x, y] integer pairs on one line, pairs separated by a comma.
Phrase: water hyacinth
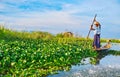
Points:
[[45, 56]]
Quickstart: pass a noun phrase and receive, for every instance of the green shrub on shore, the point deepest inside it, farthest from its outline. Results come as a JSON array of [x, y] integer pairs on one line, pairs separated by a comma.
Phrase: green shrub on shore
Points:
[[12, 34]]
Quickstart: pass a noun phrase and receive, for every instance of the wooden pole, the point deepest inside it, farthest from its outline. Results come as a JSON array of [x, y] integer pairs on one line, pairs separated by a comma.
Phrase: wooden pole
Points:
[[91, 26]]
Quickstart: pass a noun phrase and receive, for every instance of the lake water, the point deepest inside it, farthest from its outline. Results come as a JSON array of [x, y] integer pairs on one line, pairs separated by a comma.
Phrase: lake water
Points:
[[107, 65]]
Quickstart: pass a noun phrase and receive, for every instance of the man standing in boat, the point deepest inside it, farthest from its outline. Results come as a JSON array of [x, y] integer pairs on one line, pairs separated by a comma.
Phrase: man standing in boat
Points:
[[97, 31]]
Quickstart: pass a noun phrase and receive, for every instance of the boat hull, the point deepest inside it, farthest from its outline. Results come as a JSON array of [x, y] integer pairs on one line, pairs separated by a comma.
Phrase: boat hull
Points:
[[102, 49]]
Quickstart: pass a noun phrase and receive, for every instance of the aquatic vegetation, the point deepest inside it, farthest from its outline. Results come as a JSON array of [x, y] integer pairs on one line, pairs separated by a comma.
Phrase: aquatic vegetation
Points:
[[40, 57]]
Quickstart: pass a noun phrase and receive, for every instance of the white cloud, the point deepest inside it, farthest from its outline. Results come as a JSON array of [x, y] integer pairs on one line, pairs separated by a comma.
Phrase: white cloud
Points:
[[74, 16]]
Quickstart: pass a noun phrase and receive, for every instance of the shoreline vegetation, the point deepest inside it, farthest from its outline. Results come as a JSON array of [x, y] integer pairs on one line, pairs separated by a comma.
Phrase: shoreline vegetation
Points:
[[8, 33], [40, 54]]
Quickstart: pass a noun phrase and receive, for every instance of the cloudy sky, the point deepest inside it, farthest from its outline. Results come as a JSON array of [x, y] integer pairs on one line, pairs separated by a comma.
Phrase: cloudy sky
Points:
[[57, 16]]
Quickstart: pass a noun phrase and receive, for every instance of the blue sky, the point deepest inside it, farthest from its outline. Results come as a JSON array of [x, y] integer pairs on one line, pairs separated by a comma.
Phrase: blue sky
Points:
[[57, 16]]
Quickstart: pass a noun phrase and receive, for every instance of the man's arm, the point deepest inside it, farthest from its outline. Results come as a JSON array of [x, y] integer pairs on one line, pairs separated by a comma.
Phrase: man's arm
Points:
[[92, 28]]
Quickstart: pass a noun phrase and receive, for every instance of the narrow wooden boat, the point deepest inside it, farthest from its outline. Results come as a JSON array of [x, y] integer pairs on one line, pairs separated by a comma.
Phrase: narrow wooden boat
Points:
[[102, 49], [105, 47]]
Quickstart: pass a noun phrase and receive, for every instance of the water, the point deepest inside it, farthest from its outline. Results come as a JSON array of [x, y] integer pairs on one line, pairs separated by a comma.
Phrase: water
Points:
[[107, 65], [115, 46]]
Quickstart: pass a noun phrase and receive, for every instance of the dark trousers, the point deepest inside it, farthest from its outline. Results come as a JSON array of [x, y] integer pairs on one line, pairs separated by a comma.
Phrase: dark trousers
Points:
[[96, 41]]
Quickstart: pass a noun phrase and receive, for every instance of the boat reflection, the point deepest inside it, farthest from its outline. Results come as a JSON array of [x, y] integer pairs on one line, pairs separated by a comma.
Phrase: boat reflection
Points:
[[102, 54]]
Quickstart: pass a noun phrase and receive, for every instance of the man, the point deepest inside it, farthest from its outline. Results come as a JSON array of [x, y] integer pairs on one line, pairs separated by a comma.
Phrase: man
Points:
[[97, 30]]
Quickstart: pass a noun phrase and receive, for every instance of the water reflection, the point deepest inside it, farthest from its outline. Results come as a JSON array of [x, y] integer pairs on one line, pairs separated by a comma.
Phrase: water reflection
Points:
[[96, 60], [105, 64]]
